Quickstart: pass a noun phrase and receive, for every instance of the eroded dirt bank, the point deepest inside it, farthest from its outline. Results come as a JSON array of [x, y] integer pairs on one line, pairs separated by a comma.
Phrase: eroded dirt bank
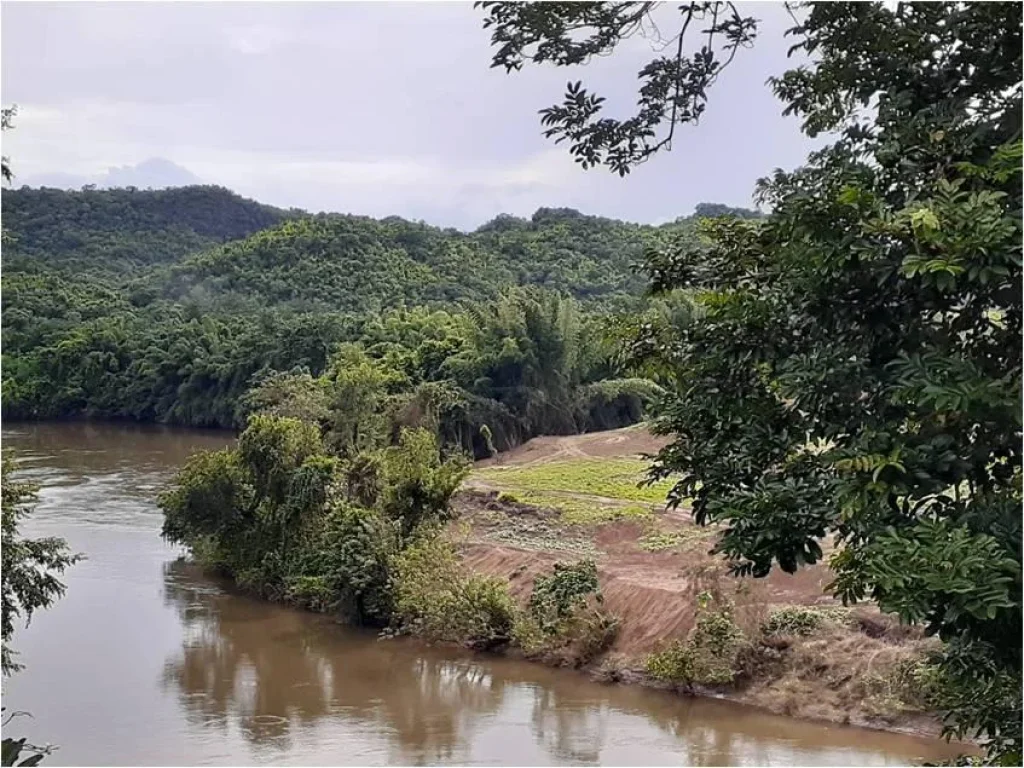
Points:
[[652, 565]]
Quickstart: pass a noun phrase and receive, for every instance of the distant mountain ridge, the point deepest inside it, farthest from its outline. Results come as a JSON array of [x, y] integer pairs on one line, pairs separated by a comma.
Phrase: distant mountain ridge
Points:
[[208, 245], [154, 173], [124, 229]]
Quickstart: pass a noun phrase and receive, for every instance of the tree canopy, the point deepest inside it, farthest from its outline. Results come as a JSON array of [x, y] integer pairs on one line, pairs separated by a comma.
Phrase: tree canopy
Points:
[[170, 305], [673, 86]]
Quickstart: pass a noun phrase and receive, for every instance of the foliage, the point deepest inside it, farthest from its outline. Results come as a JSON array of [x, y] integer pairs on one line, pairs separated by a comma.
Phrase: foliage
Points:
[[117, 230], [708, 656], [855, 368], [564, 620], [800, 619], [169, 306], [914, 684], [618, 478], [435, 599], [295, 394], [658, 541], [12, 749], [417, 483], [673, 88], [557, 596], [580, 510], [30, 566], [7, 122], [347, 566], [290, 520]]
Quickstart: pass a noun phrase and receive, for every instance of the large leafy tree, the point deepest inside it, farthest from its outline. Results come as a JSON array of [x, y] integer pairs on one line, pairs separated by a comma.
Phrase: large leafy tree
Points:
[[852, 378]]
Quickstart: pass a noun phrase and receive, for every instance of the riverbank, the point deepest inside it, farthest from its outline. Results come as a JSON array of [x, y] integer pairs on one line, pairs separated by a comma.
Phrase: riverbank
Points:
[[803, 655], [171, 665]]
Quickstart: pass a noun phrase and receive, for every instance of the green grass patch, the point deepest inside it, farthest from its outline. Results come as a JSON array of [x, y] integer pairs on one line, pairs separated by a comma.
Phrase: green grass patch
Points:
[[583, 511], [611, 478], [803, 619]]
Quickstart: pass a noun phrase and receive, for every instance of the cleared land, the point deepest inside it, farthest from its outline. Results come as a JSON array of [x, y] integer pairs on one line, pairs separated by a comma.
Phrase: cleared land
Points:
[[558, 499]]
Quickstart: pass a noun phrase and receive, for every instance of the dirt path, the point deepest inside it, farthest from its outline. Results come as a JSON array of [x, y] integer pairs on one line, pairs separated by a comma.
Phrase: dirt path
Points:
[[629, 441]]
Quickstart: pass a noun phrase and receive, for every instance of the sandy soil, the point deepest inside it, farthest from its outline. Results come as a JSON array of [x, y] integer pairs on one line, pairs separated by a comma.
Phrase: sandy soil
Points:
[[653, 593], [630, 441]]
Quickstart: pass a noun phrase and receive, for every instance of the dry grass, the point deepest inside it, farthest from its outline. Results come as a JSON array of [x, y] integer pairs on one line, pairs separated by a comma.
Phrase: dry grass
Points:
[[836, 673]]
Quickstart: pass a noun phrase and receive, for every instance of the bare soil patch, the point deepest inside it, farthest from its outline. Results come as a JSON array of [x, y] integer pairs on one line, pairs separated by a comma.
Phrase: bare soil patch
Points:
[[651, 569], [625, 442]]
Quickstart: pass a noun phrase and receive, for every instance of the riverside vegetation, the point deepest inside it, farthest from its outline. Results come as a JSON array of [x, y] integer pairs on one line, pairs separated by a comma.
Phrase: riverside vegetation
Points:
[[168, 305], [839, 379], [357, 532]]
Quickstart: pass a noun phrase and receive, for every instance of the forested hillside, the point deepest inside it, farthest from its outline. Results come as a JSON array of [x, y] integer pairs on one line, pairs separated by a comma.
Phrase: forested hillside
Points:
[[169, 305], [123, 229]]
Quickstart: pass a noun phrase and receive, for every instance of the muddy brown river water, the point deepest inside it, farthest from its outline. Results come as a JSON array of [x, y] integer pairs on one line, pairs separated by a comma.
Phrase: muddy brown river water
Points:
[[146, 661]]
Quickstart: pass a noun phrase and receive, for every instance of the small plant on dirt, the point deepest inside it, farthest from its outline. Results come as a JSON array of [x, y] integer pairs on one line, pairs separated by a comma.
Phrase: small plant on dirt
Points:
[[802, 619], [563, 619], [556, 597], [508, 498], [710, 652], [914, 684]]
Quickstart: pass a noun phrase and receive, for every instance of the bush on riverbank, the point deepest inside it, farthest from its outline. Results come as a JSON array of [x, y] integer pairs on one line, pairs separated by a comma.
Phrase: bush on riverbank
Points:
[[564, 621], [435, 599], [361, 535], [710, 652], [285, 519]]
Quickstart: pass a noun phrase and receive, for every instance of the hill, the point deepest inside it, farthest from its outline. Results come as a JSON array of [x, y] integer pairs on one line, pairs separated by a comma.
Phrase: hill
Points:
[[318, 262], [167, 305], [120, 230]]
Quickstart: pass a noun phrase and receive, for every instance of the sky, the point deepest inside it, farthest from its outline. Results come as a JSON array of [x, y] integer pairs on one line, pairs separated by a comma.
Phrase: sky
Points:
[[369, 108]]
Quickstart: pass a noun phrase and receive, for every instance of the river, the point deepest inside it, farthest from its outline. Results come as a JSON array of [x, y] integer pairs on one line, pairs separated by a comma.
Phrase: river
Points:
[[146, 661]]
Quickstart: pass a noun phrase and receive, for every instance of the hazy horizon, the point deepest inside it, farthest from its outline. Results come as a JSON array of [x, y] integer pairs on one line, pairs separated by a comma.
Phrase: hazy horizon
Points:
[[296, 105]]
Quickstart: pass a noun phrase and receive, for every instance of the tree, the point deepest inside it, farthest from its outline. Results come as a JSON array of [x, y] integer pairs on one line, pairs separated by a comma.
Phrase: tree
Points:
[[30, 566], [853, 374]]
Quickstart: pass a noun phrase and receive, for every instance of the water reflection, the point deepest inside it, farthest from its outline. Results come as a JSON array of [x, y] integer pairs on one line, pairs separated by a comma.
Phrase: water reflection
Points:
[[277, 670], [278, 675]]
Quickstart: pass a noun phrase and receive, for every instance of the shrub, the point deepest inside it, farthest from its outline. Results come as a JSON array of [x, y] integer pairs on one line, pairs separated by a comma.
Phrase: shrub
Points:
[[205, 497], [801, 619], [709, 654], [436, 600], [556, 597], [563, 619], [347, 565], [416, 484]]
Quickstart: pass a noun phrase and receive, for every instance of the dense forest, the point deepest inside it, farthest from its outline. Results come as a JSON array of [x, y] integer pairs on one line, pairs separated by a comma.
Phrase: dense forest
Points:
[[169, 305]]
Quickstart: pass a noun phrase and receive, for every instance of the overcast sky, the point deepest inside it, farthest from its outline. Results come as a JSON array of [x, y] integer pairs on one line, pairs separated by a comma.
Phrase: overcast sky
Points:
[[370, 108]]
